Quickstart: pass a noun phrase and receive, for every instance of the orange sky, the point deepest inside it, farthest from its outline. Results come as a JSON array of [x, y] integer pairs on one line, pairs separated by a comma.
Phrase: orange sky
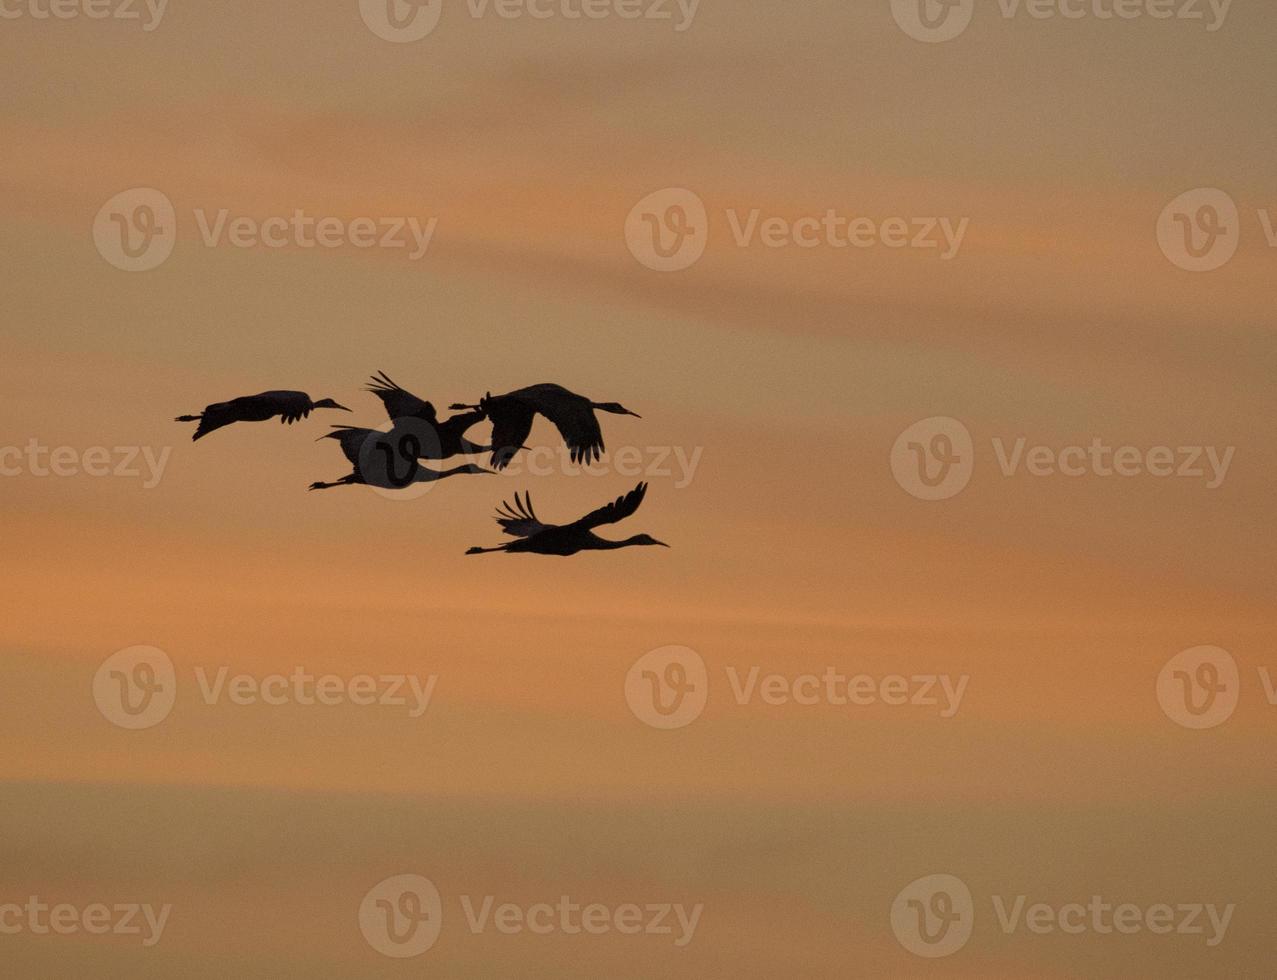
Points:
[[790, 372]]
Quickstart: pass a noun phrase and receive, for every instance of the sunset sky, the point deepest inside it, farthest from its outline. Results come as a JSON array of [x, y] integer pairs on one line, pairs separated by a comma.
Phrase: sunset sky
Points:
[[785, 374]]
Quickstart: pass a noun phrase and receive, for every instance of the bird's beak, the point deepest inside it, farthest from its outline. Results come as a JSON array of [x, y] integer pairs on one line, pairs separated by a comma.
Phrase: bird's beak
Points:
[[636, 415], [661, 543], [342, 407]]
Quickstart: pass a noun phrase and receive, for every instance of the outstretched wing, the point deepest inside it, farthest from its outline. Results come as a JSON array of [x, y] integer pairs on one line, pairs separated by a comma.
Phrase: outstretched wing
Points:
[[621, 508], [352, 440], [519, 520], [511, 423], [459, 425], [288, 405], [571, 414], [400, 404]]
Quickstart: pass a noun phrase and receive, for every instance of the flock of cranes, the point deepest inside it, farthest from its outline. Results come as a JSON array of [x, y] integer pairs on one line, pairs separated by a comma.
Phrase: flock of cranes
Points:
[[391, 459]]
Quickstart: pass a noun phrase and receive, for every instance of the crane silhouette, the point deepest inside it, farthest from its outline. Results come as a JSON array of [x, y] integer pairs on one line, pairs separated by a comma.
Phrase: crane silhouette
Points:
[[520, 521], [288, 405], [376, 458], [572, 414], [413, 414]]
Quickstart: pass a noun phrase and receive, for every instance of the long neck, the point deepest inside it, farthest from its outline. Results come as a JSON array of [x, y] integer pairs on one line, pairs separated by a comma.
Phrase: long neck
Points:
[[605, 545], [455, 471]]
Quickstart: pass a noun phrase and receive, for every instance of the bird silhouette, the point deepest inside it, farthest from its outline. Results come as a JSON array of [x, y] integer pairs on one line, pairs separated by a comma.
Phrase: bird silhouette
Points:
[[521, 521], [288, 405], [572, 414], [385, 459], [412, 414]]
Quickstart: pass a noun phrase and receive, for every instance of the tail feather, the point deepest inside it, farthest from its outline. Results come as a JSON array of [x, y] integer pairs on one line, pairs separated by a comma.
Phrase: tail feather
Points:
[[202, 430], [208, 422]]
